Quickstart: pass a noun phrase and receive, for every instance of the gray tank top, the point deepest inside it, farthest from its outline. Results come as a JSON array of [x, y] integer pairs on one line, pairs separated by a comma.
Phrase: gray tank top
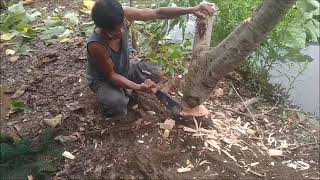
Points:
[[120, 59]]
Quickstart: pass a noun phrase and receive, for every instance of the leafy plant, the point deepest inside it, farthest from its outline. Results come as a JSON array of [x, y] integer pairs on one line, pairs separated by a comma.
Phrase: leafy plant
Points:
[[17, 21], [172, 58], [22, 158], [17, 106]]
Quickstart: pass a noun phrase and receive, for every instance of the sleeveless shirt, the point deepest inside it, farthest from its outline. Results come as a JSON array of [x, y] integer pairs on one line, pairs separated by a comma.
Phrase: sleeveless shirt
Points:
[[120, 59]]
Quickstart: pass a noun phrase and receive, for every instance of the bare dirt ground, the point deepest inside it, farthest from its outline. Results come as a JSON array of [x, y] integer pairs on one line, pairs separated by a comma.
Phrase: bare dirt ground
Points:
[[227, 144]]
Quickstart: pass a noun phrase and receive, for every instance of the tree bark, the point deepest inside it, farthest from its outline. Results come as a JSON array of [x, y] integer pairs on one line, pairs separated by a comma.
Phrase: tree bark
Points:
[[209, 67], [133, 35]]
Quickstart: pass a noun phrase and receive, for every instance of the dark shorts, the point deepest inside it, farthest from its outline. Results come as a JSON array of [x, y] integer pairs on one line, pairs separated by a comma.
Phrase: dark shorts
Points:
[[114, 100]]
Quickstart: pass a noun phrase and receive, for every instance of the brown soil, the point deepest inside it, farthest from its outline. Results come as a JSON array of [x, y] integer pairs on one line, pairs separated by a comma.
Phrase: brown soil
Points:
[[55, 76]]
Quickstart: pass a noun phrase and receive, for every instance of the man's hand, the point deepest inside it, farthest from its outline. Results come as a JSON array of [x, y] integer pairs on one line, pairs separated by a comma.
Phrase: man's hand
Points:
[[147, 86], [203, 7]]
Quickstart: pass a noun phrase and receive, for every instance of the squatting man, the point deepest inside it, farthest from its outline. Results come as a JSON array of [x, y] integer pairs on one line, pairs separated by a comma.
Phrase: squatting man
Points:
[[109, 71]]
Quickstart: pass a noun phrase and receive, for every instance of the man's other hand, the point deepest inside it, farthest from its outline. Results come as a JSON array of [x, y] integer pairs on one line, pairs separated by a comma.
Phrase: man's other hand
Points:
[[203, 7]]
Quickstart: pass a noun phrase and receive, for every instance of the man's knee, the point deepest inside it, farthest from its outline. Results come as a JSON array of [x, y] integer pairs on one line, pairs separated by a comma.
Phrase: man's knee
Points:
[[116, 106]]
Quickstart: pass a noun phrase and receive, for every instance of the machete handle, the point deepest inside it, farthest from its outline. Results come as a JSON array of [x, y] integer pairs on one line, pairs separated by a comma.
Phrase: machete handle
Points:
[[154, 90]]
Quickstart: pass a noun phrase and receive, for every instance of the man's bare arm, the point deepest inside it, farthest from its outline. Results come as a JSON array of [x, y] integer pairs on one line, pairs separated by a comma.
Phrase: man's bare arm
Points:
[[103, 59], [165, 12], [160, 13]]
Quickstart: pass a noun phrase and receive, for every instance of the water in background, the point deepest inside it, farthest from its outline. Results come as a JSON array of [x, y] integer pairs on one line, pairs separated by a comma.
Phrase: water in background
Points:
[[303, 90]]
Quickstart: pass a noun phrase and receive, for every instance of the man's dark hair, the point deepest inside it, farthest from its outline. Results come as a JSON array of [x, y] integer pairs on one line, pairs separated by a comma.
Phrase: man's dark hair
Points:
[[107, 14]]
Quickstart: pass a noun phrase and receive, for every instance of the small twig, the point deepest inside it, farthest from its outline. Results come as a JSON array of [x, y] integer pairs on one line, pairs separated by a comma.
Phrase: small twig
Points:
[[256, 173], [252, 116], [274, 107], [235, 111], [304, 145]]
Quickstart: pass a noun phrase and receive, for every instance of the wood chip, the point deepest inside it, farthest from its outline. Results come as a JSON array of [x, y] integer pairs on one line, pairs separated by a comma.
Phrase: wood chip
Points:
[[213, 143], [168, 124], [53, 122], [68, 155], [187, 129], [255, 173], [302, 165], [275, 152], [151, 112], [135, 106], [166, 133], [218, 92], [183, 169], [232, 157], [254, 164]]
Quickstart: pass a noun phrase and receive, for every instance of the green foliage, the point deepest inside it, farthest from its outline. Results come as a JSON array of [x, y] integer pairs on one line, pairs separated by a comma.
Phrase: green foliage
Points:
[[299, 28], [17, 106], [18, 21], [172, 58], [23, 158]]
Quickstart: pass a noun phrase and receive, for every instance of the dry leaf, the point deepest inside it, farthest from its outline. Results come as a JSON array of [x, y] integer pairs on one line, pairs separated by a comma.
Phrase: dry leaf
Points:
[[19, 92], [74, 106], [74, 136], [53, 122], [27, 2], [14, 58], [7, 36], [10, 52], [65, 40], [88, 4]]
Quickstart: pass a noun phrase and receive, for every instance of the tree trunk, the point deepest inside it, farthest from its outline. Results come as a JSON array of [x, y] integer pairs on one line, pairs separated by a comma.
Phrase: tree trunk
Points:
[[133, 35], [209, 67]]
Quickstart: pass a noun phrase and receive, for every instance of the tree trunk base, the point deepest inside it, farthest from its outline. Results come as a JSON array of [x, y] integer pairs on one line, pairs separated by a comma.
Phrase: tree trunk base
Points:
[[197, 111]]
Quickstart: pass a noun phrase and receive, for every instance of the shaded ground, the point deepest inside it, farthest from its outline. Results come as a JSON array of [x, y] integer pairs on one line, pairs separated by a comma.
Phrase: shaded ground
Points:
[[55, 79]]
